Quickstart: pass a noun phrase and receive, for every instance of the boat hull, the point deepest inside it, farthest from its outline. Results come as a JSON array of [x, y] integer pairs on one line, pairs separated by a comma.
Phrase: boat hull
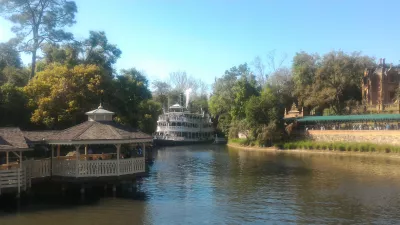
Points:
[[163, 142]]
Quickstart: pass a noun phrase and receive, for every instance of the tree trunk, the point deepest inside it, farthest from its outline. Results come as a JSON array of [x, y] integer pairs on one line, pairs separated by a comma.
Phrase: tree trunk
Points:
[[33, 66]]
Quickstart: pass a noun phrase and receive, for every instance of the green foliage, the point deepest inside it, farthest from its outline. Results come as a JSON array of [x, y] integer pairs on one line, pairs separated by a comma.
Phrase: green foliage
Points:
[[149, 110], [13, 103], [39, 21], [127, 92], [329, 81]]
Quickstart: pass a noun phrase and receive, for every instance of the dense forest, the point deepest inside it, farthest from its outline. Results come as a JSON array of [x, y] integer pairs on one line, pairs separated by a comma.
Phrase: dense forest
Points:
[[68, 77]]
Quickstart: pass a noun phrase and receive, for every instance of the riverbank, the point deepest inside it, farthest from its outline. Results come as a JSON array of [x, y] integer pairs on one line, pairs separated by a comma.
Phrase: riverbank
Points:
[[274, 149]]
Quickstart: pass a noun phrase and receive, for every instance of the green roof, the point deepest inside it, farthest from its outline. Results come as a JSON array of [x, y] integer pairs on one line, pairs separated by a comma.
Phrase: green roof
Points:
[[366, 117]]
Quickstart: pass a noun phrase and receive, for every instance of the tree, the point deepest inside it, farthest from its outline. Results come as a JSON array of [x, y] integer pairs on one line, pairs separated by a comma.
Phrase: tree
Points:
[[149, 112], [161, 91], [263, 114], [98, 51], [42, 20], [282, 84], [11, 71], [13, 109], [128, 91], [179, 80], [304, 70], [262, 71], [60, 95], [9, 56], [229, 94], [243, 90]]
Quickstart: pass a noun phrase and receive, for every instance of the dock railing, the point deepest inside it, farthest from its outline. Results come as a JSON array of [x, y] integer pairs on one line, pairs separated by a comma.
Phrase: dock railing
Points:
[[98, 168]]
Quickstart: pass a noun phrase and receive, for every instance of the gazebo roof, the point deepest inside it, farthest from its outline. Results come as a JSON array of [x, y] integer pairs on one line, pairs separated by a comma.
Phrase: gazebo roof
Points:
[[12, 139], [98, 132]]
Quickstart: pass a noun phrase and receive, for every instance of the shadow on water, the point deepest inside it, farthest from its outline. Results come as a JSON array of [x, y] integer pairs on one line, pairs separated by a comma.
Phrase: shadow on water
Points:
[[48, 197]]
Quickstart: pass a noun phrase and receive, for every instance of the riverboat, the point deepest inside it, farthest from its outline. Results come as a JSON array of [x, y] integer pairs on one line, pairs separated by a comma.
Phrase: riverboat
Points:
[[179, 126]]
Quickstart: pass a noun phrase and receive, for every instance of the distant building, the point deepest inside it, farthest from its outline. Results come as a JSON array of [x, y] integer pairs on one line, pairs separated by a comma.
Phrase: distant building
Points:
[[379, 86], [294, 112]]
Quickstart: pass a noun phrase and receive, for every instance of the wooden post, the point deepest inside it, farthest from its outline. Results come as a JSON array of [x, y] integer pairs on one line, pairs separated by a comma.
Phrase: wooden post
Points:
[[114, 189], [19, 179], [77, 160], [58, 151], [51, 161], [86, 152], [118, 151], [7, 157], [144, 151], [144, 156], [20, 168]]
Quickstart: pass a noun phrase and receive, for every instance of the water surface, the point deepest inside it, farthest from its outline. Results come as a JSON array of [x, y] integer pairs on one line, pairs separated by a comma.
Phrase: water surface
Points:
[[209, 184]]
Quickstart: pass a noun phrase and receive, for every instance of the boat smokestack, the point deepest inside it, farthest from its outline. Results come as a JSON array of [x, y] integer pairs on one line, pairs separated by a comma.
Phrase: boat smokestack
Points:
[[187, 92]]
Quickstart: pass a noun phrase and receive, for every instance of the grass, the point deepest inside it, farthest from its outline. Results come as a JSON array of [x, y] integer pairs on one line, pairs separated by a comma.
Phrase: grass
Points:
[[339, 146]]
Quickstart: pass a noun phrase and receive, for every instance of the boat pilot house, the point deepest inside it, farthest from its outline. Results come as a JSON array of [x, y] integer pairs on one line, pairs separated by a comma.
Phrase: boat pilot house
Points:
[[95, 150]]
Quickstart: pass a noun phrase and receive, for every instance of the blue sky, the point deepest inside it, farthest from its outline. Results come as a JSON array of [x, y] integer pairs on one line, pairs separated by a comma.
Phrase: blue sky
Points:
[[207, 37]]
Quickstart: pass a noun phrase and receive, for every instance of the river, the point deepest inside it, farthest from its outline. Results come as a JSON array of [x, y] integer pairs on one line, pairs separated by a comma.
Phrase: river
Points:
[[209, 184]]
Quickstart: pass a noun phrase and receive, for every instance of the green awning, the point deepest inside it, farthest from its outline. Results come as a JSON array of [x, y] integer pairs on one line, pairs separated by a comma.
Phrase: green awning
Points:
[[366, 117]]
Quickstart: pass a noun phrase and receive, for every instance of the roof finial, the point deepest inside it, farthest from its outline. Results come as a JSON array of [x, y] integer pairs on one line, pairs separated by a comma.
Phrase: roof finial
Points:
[[100, 106]]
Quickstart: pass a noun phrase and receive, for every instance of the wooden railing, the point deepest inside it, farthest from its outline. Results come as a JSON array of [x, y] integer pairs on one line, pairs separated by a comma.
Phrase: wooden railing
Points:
[[65, 168], [13, 178], [40, 168], [98, 168], [131, 166]]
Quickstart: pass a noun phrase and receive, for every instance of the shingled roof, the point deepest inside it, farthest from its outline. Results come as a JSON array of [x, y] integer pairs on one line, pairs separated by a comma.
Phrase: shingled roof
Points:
[[12, 138], [33, 137], [99, 131]]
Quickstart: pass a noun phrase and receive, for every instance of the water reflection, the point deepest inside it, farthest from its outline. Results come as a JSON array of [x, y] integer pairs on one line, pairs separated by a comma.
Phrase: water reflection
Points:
[[216, 185]]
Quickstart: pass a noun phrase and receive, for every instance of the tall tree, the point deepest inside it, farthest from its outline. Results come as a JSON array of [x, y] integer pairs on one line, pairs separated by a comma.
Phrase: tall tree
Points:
[[39, 21], [98, 51]]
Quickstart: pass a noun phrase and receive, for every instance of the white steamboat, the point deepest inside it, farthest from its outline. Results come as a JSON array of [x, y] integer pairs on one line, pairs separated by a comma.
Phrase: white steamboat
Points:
[[179, 126]]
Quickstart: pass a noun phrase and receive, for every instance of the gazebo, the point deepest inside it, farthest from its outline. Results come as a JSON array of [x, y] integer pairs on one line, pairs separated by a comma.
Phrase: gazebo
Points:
[[13, 175], [98, 130]]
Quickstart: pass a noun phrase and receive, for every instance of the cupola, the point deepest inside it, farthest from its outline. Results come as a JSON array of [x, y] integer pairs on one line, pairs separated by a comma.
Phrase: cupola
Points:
[[100, 114]]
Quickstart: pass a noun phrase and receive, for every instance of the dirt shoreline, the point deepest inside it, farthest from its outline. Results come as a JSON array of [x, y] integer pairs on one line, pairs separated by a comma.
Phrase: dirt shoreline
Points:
[[306, 151]]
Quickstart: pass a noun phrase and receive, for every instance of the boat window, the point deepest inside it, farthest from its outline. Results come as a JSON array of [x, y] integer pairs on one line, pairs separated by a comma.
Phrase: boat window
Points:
[[179, 124]]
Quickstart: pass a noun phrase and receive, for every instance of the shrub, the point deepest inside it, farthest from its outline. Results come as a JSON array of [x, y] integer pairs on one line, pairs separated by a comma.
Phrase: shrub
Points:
[[292, 145], [372, 148], [364, 147]]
